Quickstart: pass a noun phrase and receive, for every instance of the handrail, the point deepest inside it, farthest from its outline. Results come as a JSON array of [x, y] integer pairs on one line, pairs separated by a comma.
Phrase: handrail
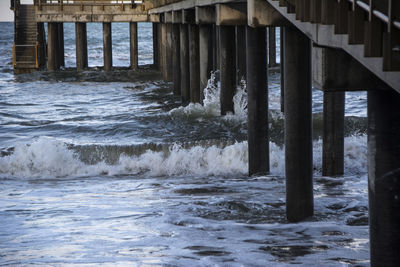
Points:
[[88, 2], [383, 17]]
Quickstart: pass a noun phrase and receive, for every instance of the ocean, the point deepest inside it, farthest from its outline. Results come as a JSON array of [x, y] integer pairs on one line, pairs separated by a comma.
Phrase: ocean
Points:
[[108, 169]]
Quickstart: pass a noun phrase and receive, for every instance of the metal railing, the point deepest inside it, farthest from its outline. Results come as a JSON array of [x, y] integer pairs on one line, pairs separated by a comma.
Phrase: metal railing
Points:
[[388, 18], [82, 3], [87, 2], [25, 54]]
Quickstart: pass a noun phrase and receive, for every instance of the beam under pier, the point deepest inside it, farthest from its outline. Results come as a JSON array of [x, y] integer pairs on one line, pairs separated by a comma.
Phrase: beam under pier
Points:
[[257, 91], [227, 46], [133, 40], [107, 46], [384, 176], [298, 125], [81, 45]]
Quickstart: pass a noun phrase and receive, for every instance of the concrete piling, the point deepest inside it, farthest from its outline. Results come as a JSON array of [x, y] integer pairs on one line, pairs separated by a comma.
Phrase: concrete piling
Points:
[[133, 40], [214, 47], [81, 45], [176, 58], [185, 70], [282, 69], [52, 46], [168, 69], [206, 56], [227, 47], [271, 47], [194, 63], [298, 125], [257, 92], [241, 52], [164, 51], [155, 45], [384, 176], [107, 46], [60, 42], [333, 134], [217, 49]]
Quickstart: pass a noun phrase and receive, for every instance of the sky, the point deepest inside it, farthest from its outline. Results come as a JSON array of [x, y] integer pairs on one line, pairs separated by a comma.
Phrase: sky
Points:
[[5, 13]]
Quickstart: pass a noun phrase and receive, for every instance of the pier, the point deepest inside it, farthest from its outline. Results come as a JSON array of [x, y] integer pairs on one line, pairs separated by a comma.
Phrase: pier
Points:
[[333, 45]]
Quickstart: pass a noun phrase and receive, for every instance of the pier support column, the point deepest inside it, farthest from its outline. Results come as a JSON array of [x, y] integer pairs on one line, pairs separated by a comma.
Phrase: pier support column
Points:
[[61, 52], [169, 69], [107, 46], [81, 45], [333, 134], [41, 39], [176, 58], [214, 47], [298, 125], [227, 46], [282, 68], [271, 47], [133, 37], [241, 52], [206, 56], [155, 46], [159, 47], [53, 48], [384, 176], [257, 90], [194, 63], [164, 64], [185, 70], [217, 50]]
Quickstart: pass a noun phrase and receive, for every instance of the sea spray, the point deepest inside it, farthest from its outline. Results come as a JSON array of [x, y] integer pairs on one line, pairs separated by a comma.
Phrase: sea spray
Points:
[[211, 104]]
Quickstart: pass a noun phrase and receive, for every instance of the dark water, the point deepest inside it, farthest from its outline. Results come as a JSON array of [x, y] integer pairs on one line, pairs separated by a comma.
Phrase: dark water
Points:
[[104, 168]]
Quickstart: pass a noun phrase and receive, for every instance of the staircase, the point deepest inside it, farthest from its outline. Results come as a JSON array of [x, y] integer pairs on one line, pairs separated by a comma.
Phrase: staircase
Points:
[[369, 35], [26, 45]]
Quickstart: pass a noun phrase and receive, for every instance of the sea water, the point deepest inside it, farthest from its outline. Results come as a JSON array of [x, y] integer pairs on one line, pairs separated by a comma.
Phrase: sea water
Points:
[[107, 168]]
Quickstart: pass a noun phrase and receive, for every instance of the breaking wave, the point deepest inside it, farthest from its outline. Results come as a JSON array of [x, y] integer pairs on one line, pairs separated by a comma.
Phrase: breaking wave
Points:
[[49, 158]]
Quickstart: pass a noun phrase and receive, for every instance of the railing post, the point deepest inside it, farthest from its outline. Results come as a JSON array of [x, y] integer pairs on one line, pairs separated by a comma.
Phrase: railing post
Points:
[[391, 38], [356, 22], [373, 34]]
